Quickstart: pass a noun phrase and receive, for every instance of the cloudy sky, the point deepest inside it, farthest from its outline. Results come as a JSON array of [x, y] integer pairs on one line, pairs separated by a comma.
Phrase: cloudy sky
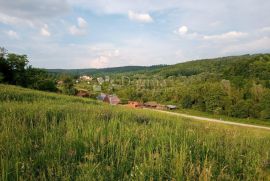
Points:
[[109, 33]]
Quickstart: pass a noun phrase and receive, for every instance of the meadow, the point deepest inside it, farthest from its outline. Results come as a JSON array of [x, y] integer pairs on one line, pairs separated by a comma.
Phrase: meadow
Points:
[[46, 136]]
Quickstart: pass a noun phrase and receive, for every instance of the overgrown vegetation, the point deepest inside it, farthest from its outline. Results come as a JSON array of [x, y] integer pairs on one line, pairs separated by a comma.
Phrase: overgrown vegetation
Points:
[[45, 136], [14, 69], [232, 86]]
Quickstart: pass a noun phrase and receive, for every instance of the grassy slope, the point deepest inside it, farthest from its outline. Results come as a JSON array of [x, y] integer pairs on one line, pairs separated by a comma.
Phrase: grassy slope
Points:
[[225, 118], [52, 136]]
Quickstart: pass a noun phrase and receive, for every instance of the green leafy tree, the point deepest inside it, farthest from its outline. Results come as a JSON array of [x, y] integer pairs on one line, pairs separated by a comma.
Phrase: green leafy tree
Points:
[[17, 64], [14, 69], [265, 113], [187, 101], [1, 77], [46, 85], [68, 86], [240, 109]]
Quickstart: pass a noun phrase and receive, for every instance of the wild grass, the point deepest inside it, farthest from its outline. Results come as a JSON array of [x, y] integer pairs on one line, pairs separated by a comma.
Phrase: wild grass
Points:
[[51, 137], [253, 121]]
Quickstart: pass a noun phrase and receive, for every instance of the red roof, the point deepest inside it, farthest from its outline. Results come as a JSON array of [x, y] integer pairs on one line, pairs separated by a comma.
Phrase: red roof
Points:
[[112, 99]]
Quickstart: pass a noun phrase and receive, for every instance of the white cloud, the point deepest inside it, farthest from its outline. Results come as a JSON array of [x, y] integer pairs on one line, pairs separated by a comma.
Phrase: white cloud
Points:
[[215, 23], [15, 21], [100, 62], [265, 29], [140, 17], [232, 35], [8, 19], [81, 22], [255, 46], [207, 23], [121, 7], [226, 36], [104, 58], [74, 30], [183, 30], [12, 34], [32, 9], [44, 31], [80, 28]]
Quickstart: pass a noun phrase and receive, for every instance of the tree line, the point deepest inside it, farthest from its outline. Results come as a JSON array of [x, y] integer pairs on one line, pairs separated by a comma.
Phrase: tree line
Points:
[[233, 86], [15, 69]]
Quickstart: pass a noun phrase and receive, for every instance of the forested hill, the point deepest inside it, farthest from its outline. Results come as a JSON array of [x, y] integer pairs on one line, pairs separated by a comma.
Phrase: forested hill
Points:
[[113, 70], [248, 66], [237, 86], [245, 66]]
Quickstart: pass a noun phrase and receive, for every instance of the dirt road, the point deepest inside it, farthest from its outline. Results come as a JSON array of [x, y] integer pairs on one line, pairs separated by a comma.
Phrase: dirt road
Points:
[[214, 120]]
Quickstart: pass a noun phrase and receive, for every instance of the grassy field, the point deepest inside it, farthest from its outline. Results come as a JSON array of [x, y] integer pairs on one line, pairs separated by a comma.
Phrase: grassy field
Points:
[[225, 118], [46, 136]]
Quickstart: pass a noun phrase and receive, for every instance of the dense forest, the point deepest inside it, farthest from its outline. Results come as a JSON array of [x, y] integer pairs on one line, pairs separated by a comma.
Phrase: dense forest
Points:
[[235, 86]]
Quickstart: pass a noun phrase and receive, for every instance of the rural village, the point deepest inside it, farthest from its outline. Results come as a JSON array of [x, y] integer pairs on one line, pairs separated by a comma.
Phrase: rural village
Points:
[[113, 99]]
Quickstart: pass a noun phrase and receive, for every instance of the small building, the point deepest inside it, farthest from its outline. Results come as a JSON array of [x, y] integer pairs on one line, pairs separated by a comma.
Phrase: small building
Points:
[[151, 104], [100, 80], [112, 99], [60, 82], [86, 78], [171, 107], [101, 96], [134, 104], [82, 93], [161, 107]]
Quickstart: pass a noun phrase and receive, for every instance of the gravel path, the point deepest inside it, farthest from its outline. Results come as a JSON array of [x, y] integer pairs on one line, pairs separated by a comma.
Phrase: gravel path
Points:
[[213, 120]]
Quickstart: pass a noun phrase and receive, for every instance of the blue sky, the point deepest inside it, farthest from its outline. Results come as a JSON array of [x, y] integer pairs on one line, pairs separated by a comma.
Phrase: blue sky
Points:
[[110, 33]]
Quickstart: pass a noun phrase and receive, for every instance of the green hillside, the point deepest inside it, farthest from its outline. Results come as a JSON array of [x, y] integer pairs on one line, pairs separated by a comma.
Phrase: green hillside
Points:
[[237, 86], [46, 136], [248, 66], [103, 71]]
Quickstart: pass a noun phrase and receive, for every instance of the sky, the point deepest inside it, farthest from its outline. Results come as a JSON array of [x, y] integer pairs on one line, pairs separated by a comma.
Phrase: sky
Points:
[[111, 33]]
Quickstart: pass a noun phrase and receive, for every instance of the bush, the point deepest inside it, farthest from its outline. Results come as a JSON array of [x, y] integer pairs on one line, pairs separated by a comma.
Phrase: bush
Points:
[[1, 77], [187, 101], [46, 85], [240, 109], [265, 114]]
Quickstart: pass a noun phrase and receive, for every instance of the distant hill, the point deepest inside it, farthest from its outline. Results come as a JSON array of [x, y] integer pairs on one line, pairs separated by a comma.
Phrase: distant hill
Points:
[[114, 70], [248, 66], [255, 66]]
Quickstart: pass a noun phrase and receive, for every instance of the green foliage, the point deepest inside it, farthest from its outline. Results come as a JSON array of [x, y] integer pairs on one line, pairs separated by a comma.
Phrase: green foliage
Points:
[[46, 85], [231, 86], [240, 109], [187, 102], [14, 69], [45, 136], [68, 86], [17, 65], [266, 106], [1, 77], [106, 71]]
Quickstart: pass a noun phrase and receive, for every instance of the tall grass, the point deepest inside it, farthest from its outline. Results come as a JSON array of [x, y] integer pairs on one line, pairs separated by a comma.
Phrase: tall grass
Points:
[[51, 137]]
